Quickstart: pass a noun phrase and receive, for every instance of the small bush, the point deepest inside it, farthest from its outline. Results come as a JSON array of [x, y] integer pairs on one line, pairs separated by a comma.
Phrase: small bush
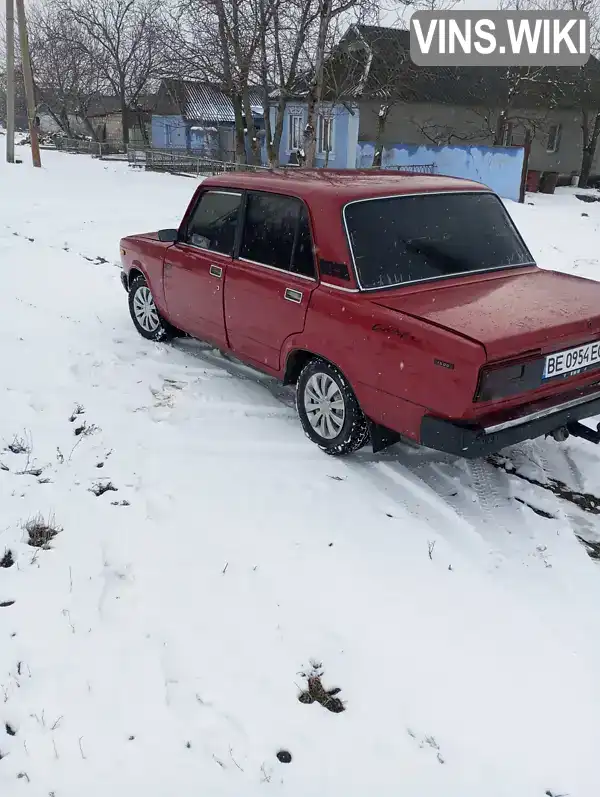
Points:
[[316, 693], [7, 560], [86, 430], [19, 445], [79, 410], [99, 488], [41, 532]]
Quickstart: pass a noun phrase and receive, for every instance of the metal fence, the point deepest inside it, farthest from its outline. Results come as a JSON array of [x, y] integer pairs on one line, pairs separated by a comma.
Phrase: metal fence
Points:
[[84, 146], [415, 168], [183, 162]]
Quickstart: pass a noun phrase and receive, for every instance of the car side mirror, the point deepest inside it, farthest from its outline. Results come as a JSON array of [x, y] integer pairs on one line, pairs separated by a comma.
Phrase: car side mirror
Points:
[[168, 236]]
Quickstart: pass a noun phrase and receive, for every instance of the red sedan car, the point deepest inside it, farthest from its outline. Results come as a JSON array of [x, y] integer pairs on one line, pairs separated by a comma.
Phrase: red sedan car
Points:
[[401, 306]]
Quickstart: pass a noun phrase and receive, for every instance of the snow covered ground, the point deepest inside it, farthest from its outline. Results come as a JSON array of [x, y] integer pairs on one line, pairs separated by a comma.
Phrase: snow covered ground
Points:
[[160, 642]]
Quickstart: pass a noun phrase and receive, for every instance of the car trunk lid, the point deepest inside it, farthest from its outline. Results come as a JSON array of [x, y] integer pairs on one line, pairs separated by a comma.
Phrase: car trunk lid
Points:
[[509, 313]]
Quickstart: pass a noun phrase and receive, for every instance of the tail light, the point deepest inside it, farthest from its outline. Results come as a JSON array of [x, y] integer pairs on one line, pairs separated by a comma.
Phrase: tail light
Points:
[[500, 382]]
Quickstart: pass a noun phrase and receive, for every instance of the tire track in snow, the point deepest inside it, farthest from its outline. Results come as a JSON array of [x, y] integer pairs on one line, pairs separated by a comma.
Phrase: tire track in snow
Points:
[[491, 514], [404, 486], [97, 260], [490, 490], [575, 509]]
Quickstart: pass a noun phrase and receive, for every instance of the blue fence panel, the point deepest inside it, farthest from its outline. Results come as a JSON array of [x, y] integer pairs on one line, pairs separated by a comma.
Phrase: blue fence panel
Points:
[[500, 168]]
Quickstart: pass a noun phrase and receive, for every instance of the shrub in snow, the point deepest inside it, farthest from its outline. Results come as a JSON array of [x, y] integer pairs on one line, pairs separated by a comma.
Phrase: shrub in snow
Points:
[[99, 488], [18, 446], [41, 532], [316, 693]]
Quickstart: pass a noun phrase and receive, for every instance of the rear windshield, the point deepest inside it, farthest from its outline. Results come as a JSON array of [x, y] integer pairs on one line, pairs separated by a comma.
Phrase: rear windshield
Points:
[[410, 238]]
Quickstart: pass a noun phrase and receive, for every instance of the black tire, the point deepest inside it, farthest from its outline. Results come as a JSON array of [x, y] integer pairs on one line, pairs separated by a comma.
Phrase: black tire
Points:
[[161, 330], [353, 426]]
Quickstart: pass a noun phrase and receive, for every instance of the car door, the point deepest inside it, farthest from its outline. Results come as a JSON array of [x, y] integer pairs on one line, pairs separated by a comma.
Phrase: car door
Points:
[[195, 267], [269, 283]]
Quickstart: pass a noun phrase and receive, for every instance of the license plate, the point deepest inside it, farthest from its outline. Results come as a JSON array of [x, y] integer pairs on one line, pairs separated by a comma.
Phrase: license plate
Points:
[[572, 361]]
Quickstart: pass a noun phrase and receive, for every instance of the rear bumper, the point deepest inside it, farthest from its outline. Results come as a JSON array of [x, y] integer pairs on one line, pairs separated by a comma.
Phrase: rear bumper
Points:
[[471, 440]]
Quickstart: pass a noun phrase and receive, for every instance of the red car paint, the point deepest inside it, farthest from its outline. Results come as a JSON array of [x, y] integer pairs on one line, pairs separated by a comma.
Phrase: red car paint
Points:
[[408, 352]]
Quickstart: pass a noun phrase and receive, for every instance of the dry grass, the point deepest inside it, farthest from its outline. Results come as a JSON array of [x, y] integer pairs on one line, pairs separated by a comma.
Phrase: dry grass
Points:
[[99, 488], [41, 532], [19, 445]]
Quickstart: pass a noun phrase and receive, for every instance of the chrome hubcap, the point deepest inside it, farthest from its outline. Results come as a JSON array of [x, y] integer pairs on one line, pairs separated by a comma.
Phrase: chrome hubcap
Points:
[[145, 310], [324, 405]]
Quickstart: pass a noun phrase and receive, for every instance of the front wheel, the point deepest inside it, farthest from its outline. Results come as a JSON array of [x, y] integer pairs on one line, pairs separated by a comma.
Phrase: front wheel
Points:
[[328, 409], [144, 313]]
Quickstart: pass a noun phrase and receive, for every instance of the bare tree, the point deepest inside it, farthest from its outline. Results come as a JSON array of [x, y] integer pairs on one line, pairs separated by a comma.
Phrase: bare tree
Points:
[[123, 38], [581, 84], [285, 29], [281, 45], [587, 85], [67, 78], [218, 41], [329, 14], [445, 134]]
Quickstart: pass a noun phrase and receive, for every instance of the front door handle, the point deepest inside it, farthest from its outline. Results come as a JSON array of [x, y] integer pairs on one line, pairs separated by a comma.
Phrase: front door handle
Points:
[[216, 271], [293, 295]]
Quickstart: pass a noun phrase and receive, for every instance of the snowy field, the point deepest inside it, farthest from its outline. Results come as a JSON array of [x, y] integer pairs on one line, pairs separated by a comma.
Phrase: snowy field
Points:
[[160, 641]]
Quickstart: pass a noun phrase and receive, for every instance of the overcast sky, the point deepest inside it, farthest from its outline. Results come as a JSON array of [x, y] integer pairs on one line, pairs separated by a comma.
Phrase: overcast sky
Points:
[[390, 17]]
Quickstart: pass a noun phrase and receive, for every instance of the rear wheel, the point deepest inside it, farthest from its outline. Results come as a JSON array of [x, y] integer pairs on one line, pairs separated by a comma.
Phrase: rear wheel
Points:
[[328, 409], [144, 313]]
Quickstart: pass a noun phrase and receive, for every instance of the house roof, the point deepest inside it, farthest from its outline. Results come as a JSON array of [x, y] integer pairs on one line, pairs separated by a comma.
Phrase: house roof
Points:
[[104, 105], [373, 63], [202, 101]]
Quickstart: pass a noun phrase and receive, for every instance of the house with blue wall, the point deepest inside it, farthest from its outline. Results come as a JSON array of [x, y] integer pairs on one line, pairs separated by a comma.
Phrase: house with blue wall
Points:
[[376, 100], [199, 117], [336, 133]]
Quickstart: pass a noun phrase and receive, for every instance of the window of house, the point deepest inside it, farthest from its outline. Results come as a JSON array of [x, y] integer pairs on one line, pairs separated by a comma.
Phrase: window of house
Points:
[[214, 221], [423, 237], [325, 134], [507, 134], [553, 138], [277, 233], [295, 132]]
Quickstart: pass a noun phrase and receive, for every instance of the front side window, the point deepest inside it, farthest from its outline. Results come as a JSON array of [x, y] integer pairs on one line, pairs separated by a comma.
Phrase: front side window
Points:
[[214, 221], [295, 129], [410, 238], [325, 141], [277, 233]]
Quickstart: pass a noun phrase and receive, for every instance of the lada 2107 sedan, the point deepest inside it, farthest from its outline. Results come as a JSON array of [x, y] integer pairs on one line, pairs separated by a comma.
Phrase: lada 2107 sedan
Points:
[[401, 306]]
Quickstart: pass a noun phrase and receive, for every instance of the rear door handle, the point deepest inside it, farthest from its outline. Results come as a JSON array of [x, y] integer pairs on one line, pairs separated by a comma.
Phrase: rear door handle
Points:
[[216, 271], [293, 295]]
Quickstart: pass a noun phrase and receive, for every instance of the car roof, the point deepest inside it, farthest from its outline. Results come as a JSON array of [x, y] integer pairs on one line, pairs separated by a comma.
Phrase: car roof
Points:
[[344, 185]]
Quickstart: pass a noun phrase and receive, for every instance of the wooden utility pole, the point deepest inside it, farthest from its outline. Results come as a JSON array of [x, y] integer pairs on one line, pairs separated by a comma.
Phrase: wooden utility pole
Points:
[[10, 81], [28, 80]]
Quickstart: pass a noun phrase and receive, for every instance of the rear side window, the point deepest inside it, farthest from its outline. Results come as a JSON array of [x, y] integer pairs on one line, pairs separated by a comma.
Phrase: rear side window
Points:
[[277, 233], [411, 238], [214, 221]]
